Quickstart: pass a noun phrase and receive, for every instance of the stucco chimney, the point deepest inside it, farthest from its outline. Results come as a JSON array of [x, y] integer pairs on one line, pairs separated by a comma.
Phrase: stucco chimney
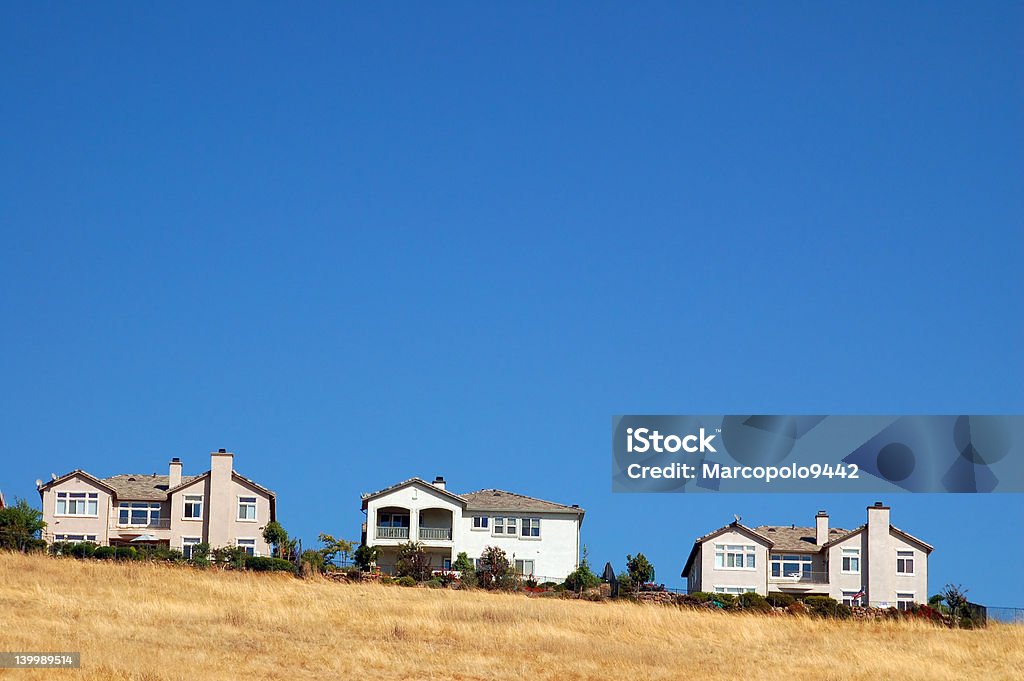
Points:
[[439, 482], [879, 587], [220, 502], [821, 528], [174, 478]]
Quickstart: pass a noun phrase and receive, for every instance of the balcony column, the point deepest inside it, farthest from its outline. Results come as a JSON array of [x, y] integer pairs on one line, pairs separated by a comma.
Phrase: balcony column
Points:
[[414, 525]]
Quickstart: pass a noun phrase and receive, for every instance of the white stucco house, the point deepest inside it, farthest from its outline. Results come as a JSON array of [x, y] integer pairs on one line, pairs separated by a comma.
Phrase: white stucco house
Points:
[[541, 538], [875, 564]]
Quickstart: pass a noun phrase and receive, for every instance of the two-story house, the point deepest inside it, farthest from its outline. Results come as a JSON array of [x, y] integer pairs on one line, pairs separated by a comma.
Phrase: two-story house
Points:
[[875, 564], [541, 538], [218, 507]]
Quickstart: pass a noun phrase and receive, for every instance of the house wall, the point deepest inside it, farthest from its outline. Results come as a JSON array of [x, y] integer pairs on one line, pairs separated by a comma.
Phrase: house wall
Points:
[[417, 499], [710, 576], [222, 506], [182, 527], [838, 581], [97, 525], [555, 553]]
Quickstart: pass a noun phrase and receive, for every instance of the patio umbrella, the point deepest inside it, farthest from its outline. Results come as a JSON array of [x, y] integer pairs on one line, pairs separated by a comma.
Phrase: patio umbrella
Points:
[[145, 537]]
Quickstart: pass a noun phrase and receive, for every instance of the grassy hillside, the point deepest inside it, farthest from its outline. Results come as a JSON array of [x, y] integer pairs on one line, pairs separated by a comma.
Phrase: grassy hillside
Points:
[[162, 622]]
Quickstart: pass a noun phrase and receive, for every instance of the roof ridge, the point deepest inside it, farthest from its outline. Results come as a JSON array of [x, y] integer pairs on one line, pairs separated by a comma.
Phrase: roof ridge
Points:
[[517, 494]]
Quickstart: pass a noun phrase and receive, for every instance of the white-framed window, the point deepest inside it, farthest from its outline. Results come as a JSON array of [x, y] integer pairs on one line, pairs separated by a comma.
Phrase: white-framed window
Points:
[[524, 568], [141, 513], [852, 598], [393, 520], [505, 526], [530, 527], [904, 562], [480, 522], [74, 537], [248, 545], [796, 565], [78, 503], [904, 600], [735, 556], [247, 508], [193, 508], [188, 543], [851, 561], [736, 590]]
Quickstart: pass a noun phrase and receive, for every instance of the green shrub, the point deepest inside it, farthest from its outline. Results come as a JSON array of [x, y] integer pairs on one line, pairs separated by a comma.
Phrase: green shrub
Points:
[[724, 600], [104, 553], [405, 581], [315, 559], [365, 556], [126, 553], [60, 548], [434, 583], [822, 606], [703, 596], [413, 561], [753, 601], [626, 585], [82, 549], [20, 526], [386, 580], [266, 564], [780, 600], [581, 578], [200, 555]]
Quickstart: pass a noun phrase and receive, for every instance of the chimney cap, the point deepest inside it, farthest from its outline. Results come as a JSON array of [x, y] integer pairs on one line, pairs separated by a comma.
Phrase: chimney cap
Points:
[[437, 478], [175, 459], [222, 451], [822, 514]]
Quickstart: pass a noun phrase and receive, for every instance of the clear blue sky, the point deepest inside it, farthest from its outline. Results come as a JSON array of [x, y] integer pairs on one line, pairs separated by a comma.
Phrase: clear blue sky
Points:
[[355, 245]]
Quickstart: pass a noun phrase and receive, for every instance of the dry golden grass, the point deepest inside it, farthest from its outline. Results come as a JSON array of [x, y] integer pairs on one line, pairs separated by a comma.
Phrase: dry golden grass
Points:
[[161, 622]]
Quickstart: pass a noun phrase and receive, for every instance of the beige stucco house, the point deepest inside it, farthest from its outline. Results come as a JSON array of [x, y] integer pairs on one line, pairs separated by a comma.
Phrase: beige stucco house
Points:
[[876, 563], [218, 507]]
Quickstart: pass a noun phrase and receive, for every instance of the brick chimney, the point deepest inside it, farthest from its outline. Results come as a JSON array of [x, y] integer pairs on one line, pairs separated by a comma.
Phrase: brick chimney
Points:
[[439, 482], [174, 478], [821, 528]]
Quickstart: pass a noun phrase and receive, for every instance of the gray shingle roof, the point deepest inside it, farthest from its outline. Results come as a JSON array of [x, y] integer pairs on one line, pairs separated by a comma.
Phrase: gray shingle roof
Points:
[[500, 500], [790, 538], [142, 487]]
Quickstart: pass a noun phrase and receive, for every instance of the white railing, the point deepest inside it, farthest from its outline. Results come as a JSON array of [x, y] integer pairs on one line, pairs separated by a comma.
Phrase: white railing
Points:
[[799, 578], [436, 533], [157, 524], [392, 532]]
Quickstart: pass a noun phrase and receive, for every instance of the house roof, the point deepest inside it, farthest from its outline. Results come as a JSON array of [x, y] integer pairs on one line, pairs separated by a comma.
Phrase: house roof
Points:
[[500, 500], [892, 528], [78, 471], [792, 538], [733, 526], [485, 499], [142, 487]]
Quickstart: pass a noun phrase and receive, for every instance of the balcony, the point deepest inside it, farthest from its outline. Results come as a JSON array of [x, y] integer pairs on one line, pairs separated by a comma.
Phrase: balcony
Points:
[[392, 532], [435, 534], [799, 579]]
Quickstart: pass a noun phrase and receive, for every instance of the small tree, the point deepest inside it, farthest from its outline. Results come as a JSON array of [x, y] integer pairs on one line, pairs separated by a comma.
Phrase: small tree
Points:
[[465, 566], [956, 600], [275, 535], [640, 570], [20, 526], [493, 568], [413, 561], [365, 557], [333, 547], [582, 577]]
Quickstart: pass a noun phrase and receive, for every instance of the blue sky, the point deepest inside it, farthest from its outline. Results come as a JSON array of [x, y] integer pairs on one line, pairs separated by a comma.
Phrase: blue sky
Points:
[[355, 245]]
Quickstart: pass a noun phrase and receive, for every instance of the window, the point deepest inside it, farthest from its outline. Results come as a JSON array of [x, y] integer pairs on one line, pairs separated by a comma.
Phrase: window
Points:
[[904, 601], [851, 561], [193, 507], [734, 556], [446, 564], [74, 537], [904, 562], [734, 589], [480, 522], [852, 598], [530, 527], [77, 503], [248, 545], [140, 513], [247, 508], [524, 568], [187, 544], [505, 526], [798, 566], [393, 520]]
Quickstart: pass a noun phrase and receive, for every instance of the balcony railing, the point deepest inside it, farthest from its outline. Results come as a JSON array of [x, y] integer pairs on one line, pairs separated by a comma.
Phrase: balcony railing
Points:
[[436, 533], [392, 532], [154, 524], [806, 577]]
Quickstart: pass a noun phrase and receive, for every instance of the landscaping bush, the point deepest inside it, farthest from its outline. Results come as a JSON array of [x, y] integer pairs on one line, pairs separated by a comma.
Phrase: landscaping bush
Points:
[[386, 580], [60, 548], [365, 556], [20, 526], [104, 553], [434, 583], [780, 600], [126, 553], [265, 564], [582, 578], [405, 581], [627, 588], [724, 601], [413, 561], [82, 549], [753, 601], [315, 559], [702, 596], [822, 606]]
